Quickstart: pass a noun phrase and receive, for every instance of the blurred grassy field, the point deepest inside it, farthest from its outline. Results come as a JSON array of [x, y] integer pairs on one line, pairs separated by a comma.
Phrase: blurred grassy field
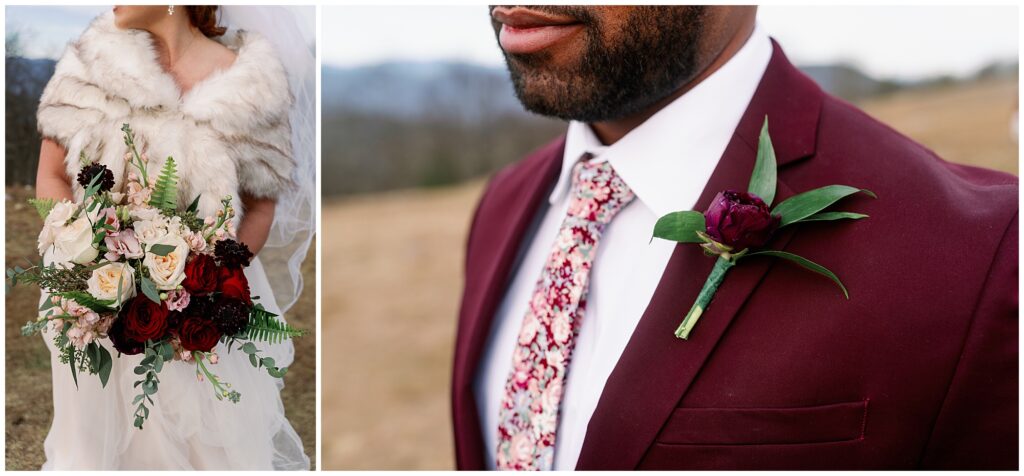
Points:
[[392, 281], [29, 407]]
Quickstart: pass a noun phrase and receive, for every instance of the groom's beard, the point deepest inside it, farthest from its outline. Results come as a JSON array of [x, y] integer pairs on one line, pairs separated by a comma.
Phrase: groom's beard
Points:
[[617, 75]]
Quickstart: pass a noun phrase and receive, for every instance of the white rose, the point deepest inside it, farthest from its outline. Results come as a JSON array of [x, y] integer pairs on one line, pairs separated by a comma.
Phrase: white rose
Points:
[[55, 220], [60, 213], [107, 279], [73, 243], [167, 272], [144, 213], [150, 231]]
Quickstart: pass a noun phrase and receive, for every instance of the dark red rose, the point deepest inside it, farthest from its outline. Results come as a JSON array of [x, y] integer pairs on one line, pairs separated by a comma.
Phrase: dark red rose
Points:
[[233, 284], [230, 315], [740, 220], [122, 343], [200, 275], [198, 333], [144, 319]]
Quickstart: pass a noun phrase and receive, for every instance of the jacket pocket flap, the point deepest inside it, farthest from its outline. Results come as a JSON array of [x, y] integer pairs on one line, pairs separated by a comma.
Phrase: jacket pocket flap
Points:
[[760, 426]]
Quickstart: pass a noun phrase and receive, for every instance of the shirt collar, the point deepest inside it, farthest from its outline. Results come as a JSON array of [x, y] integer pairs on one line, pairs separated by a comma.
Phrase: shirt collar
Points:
[[669, 158]]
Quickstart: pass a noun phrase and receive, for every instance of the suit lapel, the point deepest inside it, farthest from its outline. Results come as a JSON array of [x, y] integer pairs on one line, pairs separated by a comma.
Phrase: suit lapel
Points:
[[656, 368], [511, 205]]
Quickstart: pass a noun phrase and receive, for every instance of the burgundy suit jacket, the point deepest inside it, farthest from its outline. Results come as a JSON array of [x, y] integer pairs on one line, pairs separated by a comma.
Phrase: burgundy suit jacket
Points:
[[918, 369]]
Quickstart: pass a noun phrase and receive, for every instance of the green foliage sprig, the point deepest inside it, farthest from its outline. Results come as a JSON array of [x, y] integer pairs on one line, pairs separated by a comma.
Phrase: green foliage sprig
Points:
[[264, 326]]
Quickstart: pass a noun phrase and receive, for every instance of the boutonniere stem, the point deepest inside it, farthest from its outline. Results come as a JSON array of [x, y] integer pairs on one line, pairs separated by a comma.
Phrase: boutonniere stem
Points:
[[738, 224]]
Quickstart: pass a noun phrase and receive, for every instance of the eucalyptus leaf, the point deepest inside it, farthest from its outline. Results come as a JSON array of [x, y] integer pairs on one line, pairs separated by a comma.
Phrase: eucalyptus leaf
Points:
[[161, 250], [680, 226], [763, 179], [106, 364], [800, 206], [806, 263], [149, 289]]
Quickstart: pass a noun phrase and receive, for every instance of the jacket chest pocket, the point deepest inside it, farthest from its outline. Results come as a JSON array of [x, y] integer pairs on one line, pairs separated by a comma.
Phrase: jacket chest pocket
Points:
[[766, 426]]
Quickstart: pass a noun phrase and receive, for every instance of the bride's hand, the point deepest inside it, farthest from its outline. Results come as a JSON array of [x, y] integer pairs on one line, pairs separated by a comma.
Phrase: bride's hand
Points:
[[256, 220], [51, 176]]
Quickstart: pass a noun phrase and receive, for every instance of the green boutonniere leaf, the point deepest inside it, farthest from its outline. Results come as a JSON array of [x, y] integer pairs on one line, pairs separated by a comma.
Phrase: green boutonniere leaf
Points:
[[800, 206], [806, 263], [830, 216], [763, 179], [681, 227]]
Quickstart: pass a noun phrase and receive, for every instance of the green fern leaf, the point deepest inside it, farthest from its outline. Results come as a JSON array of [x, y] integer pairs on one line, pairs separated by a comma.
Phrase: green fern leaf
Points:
[[86, 299], [265, 327], [165, 192], [42, 205]]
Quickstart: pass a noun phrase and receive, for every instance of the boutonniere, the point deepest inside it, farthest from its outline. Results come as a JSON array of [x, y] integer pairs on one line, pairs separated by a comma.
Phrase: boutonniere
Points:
[[738, 224]]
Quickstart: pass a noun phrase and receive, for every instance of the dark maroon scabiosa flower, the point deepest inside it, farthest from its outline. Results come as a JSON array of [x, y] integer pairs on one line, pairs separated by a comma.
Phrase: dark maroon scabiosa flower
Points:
[[230, 316], [740, 220], [91, 171], [232, 254]]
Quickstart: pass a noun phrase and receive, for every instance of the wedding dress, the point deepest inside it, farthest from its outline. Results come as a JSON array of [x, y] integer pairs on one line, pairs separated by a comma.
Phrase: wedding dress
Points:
[[230, 133]]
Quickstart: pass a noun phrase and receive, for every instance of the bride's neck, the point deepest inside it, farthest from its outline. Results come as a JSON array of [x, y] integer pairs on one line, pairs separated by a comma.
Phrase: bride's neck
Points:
[[173, 38]]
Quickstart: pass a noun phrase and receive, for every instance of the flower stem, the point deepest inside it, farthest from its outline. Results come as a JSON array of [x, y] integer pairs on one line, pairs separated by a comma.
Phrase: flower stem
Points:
[[707, 292]]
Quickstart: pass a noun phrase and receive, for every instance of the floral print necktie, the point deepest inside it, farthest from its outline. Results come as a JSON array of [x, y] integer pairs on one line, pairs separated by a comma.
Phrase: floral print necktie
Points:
[[528, 419]]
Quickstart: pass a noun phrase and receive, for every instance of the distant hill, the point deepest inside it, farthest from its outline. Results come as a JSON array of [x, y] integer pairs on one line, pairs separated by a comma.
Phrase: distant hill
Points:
[[460, 91], [848, 82]]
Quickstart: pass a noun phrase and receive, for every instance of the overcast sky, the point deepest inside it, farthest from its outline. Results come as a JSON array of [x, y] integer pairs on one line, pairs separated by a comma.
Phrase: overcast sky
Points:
[[900, 42], [893, 42]]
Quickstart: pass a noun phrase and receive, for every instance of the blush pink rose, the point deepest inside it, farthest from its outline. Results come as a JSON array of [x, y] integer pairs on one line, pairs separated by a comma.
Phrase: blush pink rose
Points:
[[178, 299], [123, 243]]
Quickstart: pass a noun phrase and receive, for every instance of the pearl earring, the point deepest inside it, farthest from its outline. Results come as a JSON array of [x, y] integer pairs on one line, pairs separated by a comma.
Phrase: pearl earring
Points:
[[170, 9]]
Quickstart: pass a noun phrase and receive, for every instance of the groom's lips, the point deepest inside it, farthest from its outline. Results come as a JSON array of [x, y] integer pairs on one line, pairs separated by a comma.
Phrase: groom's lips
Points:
[[528, 31]]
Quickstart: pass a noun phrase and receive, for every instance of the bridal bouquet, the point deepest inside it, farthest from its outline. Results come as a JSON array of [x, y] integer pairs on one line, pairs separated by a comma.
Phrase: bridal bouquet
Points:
[[153, 279]]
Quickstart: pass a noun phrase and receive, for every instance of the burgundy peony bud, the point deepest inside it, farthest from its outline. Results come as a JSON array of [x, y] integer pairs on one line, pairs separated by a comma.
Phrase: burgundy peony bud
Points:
[[740, 220]]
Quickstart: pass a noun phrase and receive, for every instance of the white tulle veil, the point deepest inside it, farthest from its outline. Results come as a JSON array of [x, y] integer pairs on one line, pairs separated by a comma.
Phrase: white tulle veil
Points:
[[295, 215]]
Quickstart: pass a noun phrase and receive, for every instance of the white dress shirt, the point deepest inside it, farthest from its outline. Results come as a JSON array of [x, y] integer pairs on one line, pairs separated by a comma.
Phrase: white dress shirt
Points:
[[666, 161]]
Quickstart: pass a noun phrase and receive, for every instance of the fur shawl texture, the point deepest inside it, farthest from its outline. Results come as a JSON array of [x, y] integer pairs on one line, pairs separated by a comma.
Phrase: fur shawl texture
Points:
[[228, 134]]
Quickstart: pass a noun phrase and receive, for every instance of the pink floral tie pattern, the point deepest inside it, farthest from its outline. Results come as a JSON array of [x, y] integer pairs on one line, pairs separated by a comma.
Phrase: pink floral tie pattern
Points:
[[533, 392]]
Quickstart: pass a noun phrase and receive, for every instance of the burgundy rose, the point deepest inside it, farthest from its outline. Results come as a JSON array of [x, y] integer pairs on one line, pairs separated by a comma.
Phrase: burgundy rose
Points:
[[198, 333], [234, 284], [740, 220], [122, 343], [144, 319], [201, 274]]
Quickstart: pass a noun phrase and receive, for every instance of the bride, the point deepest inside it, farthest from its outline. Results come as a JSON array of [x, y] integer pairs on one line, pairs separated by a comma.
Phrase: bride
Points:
[[235, 110]]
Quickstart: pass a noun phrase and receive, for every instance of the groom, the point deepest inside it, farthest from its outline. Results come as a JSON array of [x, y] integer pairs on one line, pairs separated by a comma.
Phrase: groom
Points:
[[565, 354]]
